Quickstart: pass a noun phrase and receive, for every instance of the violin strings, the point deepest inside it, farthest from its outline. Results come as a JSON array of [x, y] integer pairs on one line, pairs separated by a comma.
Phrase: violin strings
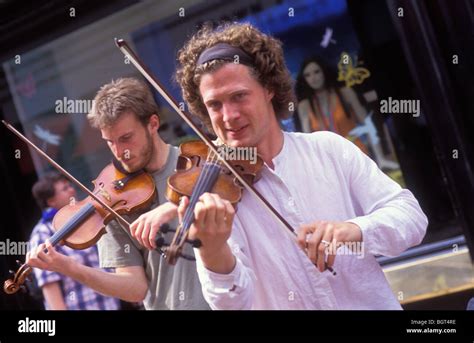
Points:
[[202, 183]]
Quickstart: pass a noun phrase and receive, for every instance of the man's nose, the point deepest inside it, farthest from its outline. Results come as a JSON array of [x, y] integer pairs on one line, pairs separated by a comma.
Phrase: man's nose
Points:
[[230, 113], [120, 151]]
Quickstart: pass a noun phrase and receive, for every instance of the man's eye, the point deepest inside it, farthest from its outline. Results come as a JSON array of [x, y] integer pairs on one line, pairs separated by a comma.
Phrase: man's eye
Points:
[[214, 106], [239, 96]]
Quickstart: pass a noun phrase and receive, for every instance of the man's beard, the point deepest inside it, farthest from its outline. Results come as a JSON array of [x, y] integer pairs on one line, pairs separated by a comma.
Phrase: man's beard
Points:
[[145, 156]]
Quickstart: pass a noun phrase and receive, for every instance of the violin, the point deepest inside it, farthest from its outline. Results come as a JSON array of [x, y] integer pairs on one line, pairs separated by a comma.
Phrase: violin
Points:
[[198, 171], [80, 225], [173, 250]]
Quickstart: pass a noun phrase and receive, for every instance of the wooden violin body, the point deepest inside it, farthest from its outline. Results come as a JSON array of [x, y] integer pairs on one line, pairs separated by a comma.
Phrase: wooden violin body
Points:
[[192, 158], [125, 193], [198, 171], [80, 225]]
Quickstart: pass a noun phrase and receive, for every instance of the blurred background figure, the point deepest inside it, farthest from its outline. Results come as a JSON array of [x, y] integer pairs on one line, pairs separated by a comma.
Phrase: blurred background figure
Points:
[[323, 105]]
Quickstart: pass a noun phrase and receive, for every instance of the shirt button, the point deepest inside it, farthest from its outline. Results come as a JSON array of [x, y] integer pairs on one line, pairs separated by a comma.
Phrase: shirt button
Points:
[[291, 202]]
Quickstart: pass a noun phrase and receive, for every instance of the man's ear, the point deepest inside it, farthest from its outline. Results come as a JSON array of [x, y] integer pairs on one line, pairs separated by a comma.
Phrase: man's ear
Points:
[[154, 122], [269, 94]]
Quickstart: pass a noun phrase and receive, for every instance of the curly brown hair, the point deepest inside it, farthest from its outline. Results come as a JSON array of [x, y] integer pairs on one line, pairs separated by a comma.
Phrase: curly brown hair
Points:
[[269, 67]]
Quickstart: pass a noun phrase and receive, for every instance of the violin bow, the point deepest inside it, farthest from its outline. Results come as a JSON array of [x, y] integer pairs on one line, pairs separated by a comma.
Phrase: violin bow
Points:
[[65, 172], [132, 57]]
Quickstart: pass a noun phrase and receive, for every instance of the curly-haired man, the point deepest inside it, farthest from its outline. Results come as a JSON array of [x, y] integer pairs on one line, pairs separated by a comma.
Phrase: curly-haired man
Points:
[[343, 207]]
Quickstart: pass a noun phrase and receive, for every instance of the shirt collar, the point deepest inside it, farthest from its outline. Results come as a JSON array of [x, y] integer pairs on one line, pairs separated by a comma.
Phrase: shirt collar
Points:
[[48, 214]]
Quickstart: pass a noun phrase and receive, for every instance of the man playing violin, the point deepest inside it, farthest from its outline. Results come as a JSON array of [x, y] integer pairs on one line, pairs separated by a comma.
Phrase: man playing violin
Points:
[[53, 191], [343, 207], [126, 114]]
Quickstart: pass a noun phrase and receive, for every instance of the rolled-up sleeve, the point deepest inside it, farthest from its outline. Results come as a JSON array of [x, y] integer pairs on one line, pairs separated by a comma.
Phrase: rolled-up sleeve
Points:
[[117, 249], [390, 218]]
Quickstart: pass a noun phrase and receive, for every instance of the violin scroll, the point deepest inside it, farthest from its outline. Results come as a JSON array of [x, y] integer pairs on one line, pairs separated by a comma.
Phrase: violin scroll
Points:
[[13, 285]]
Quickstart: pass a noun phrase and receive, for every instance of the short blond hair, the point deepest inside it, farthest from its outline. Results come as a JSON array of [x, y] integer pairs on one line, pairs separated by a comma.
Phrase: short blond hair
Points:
[[268, 65], [121, 96]]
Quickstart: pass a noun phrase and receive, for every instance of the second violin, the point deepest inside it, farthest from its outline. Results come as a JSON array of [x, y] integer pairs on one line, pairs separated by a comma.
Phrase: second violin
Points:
[[80, 225]]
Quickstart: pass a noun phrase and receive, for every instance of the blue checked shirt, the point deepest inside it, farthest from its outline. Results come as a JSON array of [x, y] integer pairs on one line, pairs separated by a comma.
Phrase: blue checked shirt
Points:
[[76, 295]]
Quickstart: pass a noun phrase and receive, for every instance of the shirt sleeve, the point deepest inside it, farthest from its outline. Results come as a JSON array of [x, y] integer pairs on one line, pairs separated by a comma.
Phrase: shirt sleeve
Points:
[[390, 217], [233, 291], [117, 249]]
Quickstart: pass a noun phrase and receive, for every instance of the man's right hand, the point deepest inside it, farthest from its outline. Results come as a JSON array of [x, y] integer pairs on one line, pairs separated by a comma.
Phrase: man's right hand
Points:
[[145, 227]]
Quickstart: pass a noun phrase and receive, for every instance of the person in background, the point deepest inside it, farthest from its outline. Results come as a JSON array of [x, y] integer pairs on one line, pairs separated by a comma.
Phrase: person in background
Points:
[[324, 106], [52, 192]]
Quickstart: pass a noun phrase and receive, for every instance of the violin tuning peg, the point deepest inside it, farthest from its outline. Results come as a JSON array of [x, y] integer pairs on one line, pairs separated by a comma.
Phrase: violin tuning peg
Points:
[[196, 243], [162, 252], [164, 228], [18, 262], [11, 272]]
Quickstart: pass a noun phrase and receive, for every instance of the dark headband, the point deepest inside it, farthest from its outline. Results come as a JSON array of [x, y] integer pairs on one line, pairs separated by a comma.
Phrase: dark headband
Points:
[[226, 52]]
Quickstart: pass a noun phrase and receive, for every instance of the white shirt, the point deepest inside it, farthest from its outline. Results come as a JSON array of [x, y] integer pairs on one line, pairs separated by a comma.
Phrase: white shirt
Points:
[[318, 176]]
